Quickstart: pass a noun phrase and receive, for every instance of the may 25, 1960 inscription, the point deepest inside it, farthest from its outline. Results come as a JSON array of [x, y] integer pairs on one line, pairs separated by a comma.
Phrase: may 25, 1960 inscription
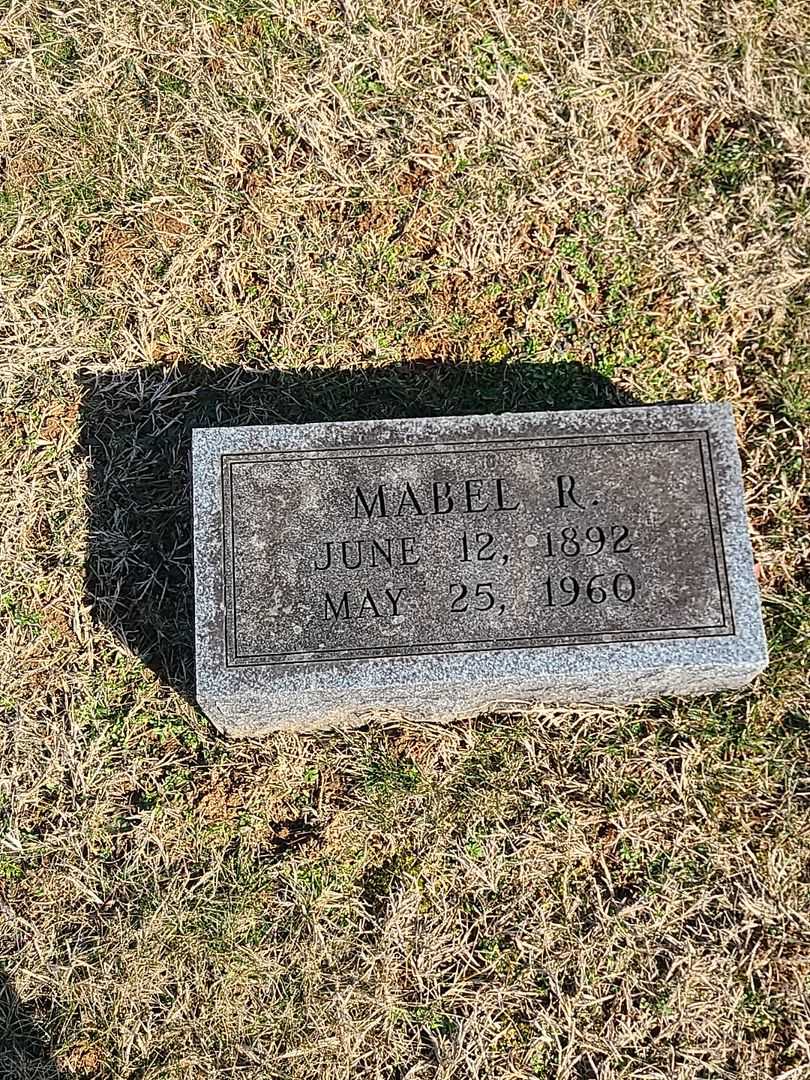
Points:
[[475, 553]]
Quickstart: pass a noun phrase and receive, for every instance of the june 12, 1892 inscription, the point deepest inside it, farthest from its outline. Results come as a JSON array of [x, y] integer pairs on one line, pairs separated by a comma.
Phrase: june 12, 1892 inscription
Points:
[[437, 566], [454, 547]]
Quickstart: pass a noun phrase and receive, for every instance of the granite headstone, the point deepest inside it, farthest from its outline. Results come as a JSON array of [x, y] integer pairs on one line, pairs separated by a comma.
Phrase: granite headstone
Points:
[[441, 567]]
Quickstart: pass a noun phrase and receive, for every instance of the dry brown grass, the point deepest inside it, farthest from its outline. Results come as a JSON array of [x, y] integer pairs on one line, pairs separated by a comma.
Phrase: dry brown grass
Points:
[[241, 210]]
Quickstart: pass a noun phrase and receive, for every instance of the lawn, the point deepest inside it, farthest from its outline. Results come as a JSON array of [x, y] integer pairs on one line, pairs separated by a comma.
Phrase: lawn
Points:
[[238, 211]]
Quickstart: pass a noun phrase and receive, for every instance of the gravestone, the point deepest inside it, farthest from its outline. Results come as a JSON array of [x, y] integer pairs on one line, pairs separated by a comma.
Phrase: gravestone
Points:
[[442, 567]]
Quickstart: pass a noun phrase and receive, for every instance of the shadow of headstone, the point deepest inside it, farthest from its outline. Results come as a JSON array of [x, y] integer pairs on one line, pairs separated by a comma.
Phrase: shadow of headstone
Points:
[[136, 435]]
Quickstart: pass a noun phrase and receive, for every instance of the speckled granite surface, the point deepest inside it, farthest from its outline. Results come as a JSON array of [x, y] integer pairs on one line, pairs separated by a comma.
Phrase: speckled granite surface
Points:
[[445, 566]]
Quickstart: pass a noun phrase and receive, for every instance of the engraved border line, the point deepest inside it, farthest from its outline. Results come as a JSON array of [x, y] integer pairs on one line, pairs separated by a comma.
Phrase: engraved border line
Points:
[[718, 547], [234, 660]]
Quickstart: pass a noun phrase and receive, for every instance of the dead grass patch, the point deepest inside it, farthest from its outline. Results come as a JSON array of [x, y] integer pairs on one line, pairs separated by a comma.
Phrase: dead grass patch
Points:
[[240, 211]]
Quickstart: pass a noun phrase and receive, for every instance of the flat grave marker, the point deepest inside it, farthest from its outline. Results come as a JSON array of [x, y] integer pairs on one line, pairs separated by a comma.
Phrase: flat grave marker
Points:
[[441, 567]]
